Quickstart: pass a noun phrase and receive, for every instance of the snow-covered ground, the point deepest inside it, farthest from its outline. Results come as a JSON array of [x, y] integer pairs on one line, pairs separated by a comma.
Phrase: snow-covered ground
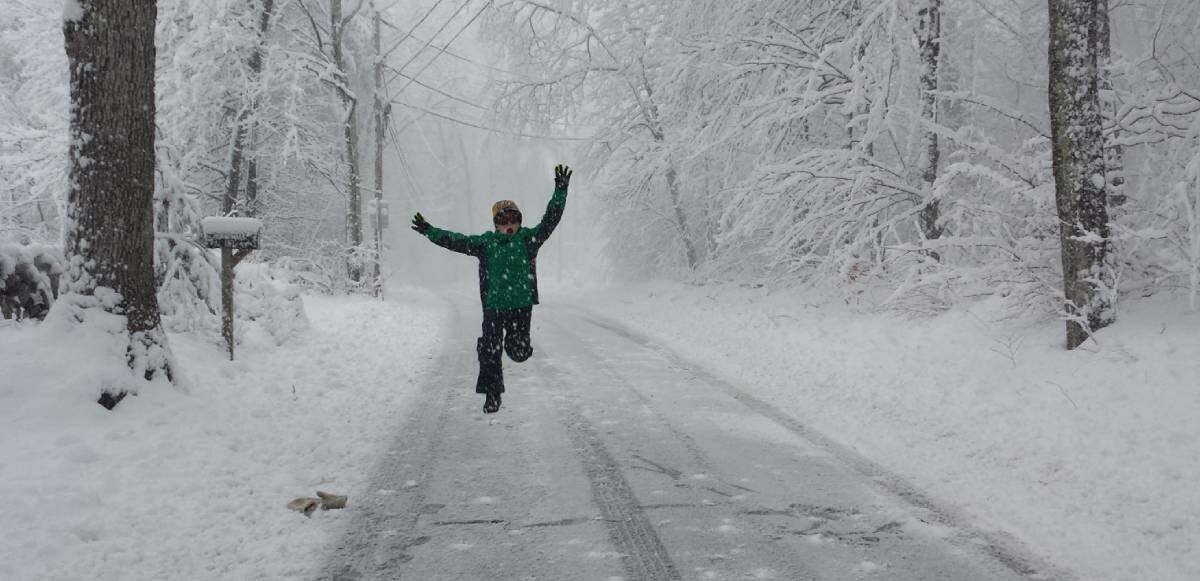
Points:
[[615, 458], [1090, 457], [193, 486]]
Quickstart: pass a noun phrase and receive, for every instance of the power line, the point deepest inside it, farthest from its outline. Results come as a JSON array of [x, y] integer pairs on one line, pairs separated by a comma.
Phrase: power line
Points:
[[452, 54], [443, 49], [489, 129], [427, 43], [442, 93], [467, 60], [404, 166], [413, 29]]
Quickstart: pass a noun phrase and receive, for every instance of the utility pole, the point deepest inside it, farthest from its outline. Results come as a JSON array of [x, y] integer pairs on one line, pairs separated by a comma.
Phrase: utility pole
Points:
[[382, 110]]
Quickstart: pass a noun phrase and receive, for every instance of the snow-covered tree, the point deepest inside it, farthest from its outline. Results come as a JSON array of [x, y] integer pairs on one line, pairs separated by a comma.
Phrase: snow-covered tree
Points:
[[609, 55], [1081, 185], [900, 145], [34, 115], [110, 210]]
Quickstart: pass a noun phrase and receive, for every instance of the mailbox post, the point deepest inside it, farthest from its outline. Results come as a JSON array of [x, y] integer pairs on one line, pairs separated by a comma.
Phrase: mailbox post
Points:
[[236, 237]]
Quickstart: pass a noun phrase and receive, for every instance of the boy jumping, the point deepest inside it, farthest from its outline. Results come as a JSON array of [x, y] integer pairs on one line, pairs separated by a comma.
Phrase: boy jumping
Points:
[[507, 281]]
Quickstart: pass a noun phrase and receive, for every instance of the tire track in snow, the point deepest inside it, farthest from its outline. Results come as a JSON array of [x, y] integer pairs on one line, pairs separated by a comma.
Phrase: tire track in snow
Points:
[[642, 553], [699, 460], [698, 457], [1006, 550]]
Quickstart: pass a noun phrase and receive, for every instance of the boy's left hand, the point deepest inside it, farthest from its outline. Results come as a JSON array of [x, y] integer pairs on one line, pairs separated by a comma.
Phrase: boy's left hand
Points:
[[562, 176], [419, 224]]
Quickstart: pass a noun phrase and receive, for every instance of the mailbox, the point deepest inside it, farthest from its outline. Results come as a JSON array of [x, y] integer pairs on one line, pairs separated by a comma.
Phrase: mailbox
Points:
[[231, 233], [236, 237]]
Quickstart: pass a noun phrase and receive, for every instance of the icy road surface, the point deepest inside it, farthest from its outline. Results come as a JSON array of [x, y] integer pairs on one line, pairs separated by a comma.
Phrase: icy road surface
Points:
[[614, 458]]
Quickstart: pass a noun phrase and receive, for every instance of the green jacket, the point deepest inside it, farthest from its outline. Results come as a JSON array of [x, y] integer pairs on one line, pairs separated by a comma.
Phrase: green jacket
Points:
[[507, 262]]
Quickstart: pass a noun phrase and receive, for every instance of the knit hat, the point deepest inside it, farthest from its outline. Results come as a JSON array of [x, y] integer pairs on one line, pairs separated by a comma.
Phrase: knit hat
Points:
[[505, 206]]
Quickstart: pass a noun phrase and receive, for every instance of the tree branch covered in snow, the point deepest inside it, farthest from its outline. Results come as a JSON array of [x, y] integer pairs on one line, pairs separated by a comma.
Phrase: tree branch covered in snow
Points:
[[789, 140]]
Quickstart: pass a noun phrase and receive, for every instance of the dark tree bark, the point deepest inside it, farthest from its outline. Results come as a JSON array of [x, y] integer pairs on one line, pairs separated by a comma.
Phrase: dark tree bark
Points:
[[929, 40], [1080, 165], [1114, 154], [251, 179], [354, 225], [245, 121], [110, 208]]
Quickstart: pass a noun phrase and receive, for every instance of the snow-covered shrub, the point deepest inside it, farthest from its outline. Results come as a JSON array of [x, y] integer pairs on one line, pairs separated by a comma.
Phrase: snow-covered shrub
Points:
[[1158, 231], [322, 269], [267, 304], [189, 287], [28, 279], [266, 299], [1000, 233]]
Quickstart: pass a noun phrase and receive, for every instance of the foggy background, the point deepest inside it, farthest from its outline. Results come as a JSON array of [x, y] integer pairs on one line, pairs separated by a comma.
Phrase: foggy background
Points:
[[453, 172]]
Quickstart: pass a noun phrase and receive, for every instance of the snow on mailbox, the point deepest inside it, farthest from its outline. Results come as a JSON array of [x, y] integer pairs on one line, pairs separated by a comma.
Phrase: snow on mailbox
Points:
[[231, 233]]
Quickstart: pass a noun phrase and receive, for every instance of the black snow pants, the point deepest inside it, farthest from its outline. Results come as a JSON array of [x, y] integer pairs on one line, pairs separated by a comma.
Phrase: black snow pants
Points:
[[504, 330]]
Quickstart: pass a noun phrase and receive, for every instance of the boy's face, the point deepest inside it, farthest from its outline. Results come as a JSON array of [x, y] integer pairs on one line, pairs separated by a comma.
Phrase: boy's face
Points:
[[507, 223]]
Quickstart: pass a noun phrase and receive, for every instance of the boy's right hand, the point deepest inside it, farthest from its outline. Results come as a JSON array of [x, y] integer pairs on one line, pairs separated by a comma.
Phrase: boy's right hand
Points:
[[562, 177], [419, 224]]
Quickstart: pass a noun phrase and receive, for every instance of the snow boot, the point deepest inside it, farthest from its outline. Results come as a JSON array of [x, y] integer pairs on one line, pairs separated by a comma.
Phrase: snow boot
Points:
[[491, 404]]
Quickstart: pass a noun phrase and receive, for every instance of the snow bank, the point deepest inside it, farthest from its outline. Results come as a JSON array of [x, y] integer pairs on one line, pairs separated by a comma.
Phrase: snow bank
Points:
[[193, 486], [1090, 456]]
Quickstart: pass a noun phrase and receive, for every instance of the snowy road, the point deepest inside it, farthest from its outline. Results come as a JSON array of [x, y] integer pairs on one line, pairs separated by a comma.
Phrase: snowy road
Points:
[[613, 458]]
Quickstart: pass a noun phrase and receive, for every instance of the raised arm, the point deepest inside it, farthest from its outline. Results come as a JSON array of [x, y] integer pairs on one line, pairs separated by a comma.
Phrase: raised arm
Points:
[[554, 210], [469, 245]]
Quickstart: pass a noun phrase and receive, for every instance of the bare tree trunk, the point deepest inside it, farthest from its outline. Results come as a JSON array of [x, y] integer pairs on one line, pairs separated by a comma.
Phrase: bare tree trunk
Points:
[[853, 13], [650, 113], [1114, 155], [381, 120], [680, 219], [929, 39], [234, 177], [244, 120], [354, 227], [252, 178], [1079, 165], [110, 204], [256, 65]]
